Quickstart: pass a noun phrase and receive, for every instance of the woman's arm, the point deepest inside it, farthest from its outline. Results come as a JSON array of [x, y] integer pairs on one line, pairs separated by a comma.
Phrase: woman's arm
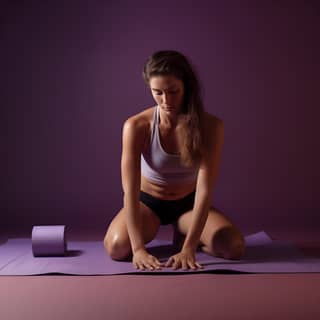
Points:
[[133, 138], [207, 177]]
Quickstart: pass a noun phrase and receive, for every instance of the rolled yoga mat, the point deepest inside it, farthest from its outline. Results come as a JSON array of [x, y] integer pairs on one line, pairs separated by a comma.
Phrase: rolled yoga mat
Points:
[[49, 241]]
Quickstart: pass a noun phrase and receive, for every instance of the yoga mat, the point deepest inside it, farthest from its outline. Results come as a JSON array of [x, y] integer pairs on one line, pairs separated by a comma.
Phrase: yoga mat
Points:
[[263, 255], [48, 241]]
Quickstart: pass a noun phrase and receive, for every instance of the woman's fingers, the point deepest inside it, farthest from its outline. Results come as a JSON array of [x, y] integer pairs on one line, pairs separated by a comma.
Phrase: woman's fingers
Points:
[[199, 265], [156, 263], [184, 264], [194, 265], [191, 265], [150, 263], [169, 262], [176, 264], [140, 266]]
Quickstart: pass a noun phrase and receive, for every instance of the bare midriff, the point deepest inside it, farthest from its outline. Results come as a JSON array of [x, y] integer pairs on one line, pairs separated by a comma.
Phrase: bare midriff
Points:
[[167, 192]]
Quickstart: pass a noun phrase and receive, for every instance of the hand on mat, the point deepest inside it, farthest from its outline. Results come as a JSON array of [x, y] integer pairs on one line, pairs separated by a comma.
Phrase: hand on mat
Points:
[[185, 258], [142, 259]]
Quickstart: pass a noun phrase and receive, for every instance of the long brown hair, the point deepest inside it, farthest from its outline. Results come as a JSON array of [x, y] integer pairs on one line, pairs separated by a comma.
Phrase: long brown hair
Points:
[[190, 124]]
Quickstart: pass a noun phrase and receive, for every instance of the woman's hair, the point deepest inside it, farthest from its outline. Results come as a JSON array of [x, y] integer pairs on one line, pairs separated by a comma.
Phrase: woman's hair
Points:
[[190, 124]]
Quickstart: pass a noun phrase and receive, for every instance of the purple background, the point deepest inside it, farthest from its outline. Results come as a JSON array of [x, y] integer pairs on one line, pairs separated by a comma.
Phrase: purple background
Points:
[[71, 75]]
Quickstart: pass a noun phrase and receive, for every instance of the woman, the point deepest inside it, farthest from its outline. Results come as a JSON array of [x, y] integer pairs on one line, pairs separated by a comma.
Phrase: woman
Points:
[[169, 166]]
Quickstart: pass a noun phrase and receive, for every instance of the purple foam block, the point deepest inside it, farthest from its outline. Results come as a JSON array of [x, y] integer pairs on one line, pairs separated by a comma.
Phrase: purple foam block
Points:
[[48, 241]]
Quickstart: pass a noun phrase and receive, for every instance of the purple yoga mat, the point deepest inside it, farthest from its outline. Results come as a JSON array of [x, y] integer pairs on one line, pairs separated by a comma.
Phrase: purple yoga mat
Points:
[[263, 255]]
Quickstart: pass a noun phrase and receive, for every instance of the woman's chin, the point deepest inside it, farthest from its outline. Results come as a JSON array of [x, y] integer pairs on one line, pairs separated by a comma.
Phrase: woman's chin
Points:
[[168, 109]]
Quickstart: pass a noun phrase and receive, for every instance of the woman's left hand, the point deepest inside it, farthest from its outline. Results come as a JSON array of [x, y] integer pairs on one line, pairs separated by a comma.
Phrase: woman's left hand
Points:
[[185, 258]]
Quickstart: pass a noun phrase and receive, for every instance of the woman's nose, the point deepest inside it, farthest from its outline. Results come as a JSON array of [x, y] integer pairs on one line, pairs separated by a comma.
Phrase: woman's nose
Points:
[[166, 98]]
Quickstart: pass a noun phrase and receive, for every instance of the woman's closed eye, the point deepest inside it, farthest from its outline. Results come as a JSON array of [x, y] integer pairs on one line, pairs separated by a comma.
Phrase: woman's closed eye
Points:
[[170, 92]]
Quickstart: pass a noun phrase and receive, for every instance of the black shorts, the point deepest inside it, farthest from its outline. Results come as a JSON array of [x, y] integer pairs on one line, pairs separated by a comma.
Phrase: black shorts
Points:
[[168, 210]]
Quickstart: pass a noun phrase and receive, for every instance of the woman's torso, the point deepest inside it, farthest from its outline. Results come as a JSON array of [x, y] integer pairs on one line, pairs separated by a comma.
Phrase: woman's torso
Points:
[[168, 192], [168, 141]]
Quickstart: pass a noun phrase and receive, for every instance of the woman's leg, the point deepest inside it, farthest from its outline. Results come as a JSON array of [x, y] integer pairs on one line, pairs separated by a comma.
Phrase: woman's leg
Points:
[[116, 240], [220, 237]]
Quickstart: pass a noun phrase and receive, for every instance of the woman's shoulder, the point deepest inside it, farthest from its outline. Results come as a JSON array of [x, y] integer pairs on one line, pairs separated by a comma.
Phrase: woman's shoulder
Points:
[[212, 122], [213, 129], [140, 121]]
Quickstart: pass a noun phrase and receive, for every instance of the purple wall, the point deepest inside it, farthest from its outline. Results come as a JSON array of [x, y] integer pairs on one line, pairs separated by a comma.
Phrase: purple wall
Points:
[[71, 74]]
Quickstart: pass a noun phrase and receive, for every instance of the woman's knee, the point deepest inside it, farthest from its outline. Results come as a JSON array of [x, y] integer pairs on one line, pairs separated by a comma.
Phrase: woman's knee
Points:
[[117, 247], [228, 243]]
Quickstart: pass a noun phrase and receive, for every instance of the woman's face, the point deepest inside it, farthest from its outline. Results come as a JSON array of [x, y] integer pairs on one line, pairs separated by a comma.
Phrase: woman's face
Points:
[[168, 92]]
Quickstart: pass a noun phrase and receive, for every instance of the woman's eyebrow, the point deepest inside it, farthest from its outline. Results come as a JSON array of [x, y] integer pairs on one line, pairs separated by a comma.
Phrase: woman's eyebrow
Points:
[[173, 86]]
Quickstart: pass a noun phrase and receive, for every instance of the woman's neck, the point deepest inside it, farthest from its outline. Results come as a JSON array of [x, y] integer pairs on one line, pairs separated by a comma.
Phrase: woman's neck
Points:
[[168, 120]]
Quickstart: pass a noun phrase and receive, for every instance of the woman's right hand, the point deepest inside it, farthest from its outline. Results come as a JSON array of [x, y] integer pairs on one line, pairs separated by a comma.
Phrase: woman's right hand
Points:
[[142, 259]]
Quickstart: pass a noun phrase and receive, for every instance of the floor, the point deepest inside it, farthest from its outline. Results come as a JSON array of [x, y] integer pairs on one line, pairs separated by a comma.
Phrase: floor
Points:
[[201, 296]]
